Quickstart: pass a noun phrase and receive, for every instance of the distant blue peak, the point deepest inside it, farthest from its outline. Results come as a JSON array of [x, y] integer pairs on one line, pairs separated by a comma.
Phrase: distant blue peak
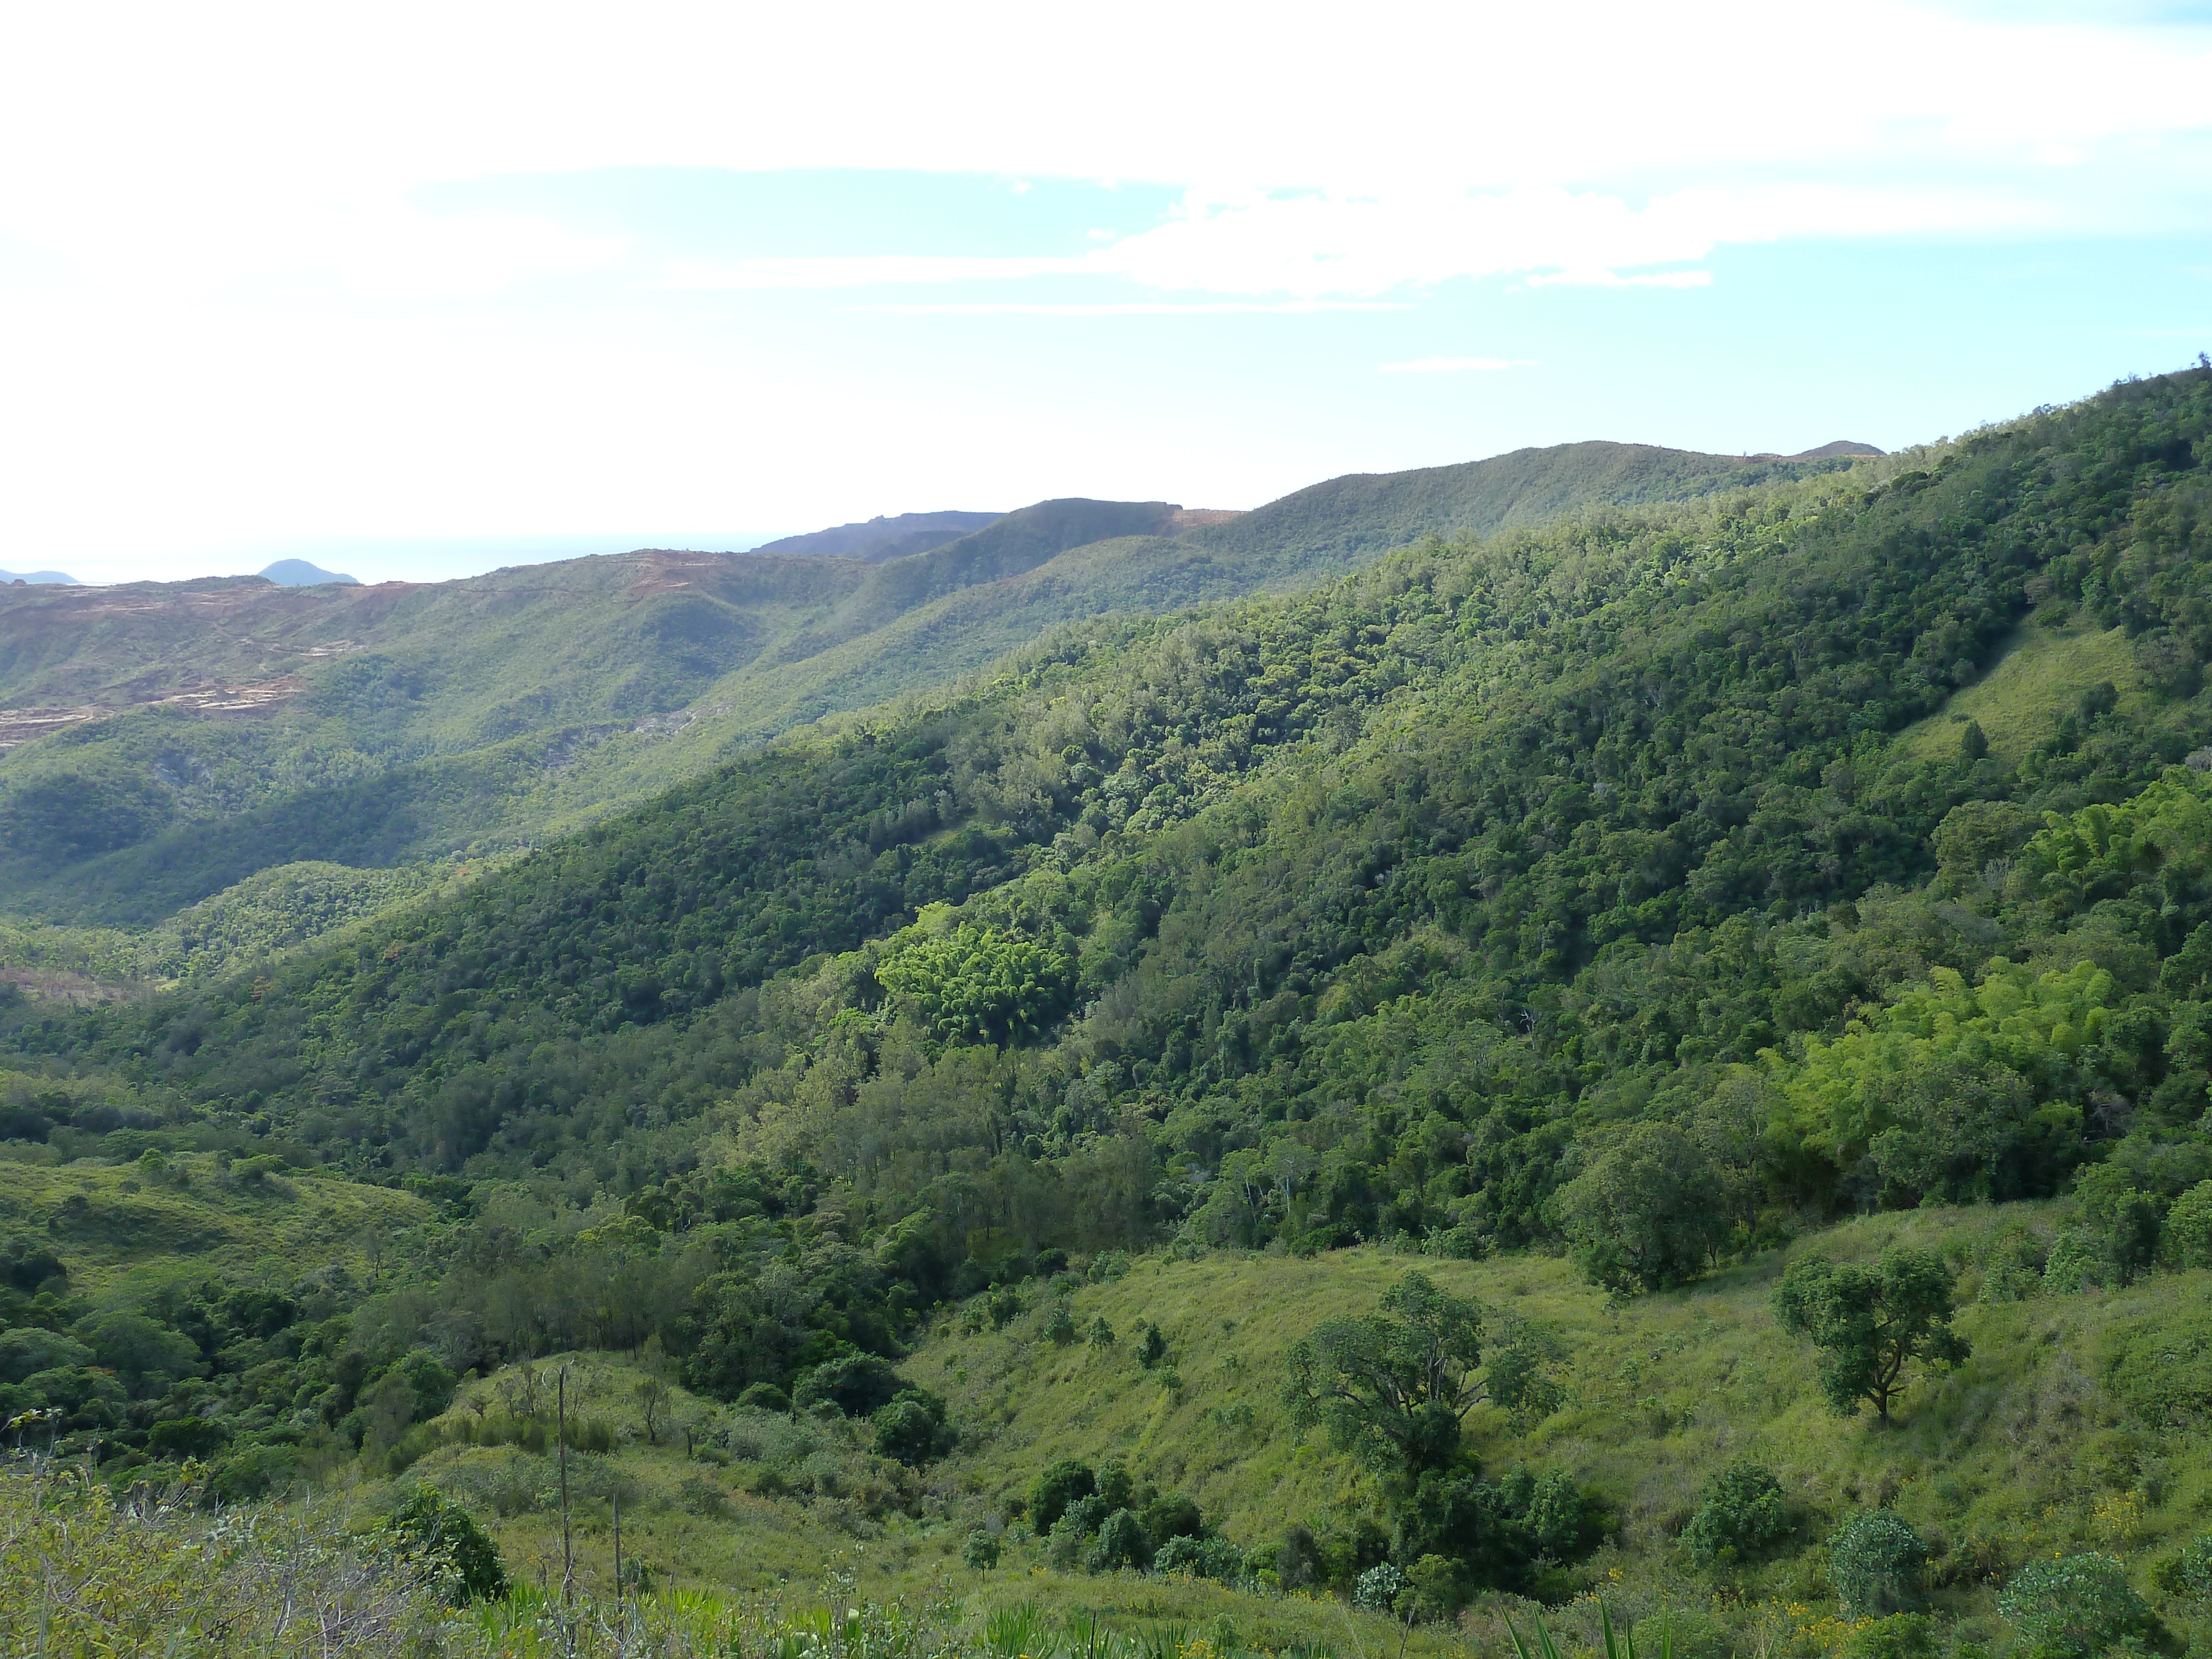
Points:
[[298, 573]]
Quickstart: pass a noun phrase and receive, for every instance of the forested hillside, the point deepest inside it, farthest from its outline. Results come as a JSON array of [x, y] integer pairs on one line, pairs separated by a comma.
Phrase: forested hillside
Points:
[[1663, 1054], [167, 742]]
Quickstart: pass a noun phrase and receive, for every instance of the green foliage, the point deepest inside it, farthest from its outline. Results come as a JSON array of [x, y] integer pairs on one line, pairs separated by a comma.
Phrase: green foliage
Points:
[[976, 984], [2078, 1607], [912, 1428], [1741, 1515], [1876, 1562], [1392, 1388], [1200, 1557], [431, 1528], [2188, 1571], [1123, 1541], [1870, 1324], [1647, 1211], [857, 1384], [2189, 1227], [1049, 1495], [1059, 1326], [1151, 1346], [980, 1553]]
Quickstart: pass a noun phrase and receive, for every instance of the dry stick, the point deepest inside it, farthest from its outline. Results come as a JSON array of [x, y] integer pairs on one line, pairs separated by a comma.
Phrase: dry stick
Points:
[[567, 1561]]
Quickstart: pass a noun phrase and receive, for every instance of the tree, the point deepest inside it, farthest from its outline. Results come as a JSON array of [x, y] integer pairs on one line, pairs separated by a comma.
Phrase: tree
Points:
[[1392, 1388], [1102, 1333], [1871, 1323], [1647, 1212], [652, 1396], [1060, 1325], [1154, 1346], [1875, 1561], [1060, 1485]]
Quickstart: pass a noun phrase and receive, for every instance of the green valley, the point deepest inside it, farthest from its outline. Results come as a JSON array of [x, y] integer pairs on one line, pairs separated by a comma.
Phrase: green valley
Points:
[[1606, 1044]]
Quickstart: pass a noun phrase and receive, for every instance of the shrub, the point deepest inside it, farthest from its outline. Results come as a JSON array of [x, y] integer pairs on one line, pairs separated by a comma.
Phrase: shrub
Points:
[[2189, 1573], [1742, 1515], [1064, 1546], [912, 1428], [764, 1397], [2077, 1261], [433, 1529], [1051, 1492], [1876, 1561], [1122, 1542], [1379, 1588], [1004, 1305], [1085, 1515], [2075, 1607], [1102, 1333], [1060, 1325], [2189, 1227], [1200, 1558], [980, 1552]]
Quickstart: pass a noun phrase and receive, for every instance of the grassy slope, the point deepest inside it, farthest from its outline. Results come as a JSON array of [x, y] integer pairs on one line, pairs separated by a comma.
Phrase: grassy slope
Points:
[[133, 1233], [2048, 1440], [2038, 679], [2041, 1444]]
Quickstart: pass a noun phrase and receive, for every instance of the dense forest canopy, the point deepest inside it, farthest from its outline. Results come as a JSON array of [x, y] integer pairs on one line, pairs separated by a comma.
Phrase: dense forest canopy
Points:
[[1379, 910]]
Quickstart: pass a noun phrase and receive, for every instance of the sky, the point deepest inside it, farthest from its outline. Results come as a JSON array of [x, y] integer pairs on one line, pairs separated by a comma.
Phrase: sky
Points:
[[416, 290]]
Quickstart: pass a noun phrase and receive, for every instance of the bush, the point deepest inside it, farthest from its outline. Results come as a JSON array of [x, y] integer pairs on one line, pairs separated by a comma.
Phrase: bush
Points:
[[434, 1529], [980, 1552], [2078, 1607], [1060, 1325], [1122, 1542], [2077, 1261], [1200, 1558], [1051, 1492], [1379, 1588], [912, 1428], [764, 1397], [1085, 1515], [1876, 1561], [1152, 1347], [1742, 1515]]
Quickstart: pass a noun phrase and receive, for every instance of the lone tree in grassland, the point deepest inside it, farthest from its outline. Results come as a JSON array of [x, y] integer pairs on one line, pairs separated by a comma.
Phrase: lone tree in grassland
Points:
[[1393, 1387], [1871, 1323]]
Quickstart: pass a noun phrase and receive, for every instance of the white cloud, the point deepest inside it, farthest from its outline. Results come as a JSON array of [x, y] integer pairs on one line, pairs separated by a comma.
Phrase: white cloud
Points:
[[228, 314], [1128, 308], [1456, 365]]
